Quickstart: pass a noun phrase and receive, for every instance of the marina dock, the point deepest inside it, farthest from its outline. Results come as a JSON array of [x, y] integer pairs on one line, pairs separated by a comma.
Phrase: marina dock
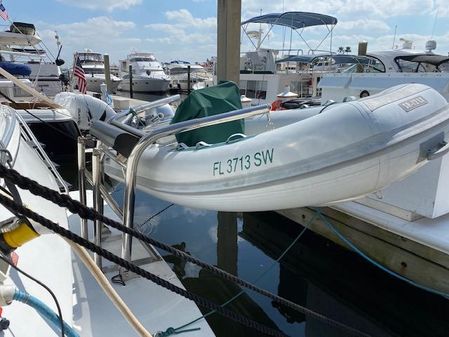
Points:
[[419, 263]]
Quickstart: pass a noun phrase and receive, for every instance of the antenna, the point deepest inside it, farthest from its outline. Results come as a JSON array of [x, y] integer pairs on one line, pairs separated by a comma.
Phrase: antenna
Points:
[[394, 36], [259, 41], [434, 23]]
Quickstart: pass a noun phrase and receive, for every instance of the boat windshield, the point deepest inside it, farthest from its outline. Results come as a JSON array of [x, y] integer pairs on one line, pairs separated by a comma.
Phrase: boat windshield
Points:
[[371, 64], [93, 71], [183, 70], [90, 57], [142, 59], [422, 63]]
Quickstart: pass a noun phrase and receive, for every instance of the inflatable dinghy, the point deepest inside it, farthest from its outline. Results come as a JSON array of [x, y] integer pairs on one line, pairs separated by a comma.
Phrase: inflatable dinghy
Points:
[[345, 152]]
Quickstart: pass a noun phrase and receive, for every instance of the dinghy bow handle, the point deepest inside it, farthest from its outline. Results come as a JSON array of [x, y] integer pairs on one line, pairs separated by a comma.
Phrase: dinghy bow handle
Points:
[[438, 151]]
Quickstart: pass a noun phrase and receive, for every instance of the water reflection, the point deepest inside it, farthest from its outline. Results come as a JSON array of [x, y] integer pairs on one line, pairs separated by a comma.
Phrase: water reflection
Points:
[[227, 249], [326, 278]]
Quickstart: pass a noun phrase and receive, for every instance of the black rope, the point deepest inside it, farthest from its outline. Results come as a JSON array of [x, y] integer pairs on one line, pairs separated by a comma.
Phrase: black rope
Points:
[[76, 207], [61, 320], [139, 271], [151, 217]]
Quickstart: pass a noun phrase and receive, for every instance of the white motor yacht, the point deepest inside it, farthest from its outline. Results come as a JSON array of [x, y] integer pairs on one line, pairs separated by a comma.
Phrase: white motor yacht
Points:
[[266, 70], [22, 56], [179, 73], [147, 73], [386, 68], [93, 66]]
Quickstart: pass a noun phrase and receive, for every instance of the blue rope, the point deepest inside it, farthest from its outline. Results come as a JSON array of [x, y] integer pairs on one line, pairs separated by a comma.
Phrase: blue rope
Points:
[[377, 264], [174, 331]]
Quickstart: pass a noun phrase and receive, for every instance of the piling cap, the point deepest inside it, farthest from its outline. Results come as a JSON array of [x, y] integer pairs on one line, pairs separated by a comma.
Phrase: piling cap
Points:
[[287, 94], [245, 99]]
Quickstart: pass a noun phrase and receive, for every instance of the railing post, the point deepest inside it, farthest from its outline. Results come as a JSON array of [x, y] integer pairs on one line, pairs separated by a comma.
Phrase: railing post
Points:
[[107, 73], [130, 69], [189, 87], [82, 182], [98, 201]]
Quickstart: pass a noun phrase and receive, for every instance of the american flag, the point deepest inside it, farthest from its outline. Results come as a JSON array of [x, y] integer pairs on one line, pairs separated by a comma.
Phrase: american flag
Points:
[[3, 12], [78, 72]]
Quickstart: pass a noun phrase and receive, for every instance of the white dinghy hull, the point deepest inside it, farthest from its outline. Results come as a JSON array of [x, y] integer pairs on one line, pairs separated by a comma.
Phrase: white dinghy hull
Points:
[[343, 153]]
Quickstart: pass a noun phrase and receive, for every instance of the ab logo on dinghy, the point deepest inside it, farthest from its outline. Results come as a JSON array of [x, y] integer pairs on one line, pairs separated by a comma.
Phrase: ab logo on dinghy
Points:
[[413, 103]]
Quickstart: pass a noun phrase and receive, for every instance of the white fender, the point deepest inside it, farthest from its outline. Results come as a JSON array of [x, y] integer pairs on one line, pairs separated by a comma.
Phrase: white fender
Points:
[[84, 109]]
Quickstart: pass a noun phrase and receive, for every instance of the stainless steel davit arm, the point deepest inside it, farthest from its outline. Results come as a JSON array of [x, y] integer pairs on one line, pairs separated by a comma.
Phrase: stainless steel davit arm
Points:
[[143, 107], [151, 138]]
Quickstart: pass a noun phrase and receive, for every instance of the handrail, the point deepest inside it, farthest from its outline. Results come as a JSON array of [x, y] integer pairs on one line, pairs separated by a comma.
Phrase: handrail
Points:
[[9, 128], [43, 154], [151, 138]]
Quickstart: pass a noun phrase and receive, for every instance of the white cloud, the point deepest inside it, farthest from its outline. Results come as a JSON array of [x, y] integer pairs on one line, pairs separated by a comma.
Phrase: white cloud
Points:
[[101, 34], [107, 5], [184, 18], [379, 8], [363, 25], [180, 34], [185, 36], [441, 8]]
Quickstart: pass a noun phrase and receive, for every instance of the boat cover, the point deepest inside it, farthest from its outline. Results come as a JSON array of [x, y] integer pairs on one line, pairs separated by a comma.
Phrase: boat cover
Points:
[[294, 20], [22, 28], [16, 68], [210, 101]]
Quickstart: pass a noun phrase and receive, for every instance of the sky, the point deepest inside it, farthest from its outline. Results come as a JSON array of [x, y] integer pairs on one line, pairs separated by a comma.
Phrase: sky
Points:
[[186, 29]]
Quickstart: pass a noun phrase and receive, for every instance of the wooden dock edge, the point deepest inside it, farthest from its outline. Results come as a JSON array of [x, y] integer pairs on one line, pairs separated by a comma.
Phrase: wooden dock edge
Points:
[[415, 261]]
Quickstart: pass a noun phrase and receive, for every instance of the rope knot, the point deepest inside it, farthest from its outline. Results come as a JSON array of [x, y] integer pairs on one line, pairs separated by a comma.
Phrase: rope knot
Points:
[[171, 331]]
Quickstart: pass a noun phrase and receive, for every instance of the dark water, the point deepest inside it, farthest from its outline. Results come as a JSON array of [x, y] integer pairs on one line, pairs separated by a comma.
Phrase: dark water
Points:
[[314, 273]]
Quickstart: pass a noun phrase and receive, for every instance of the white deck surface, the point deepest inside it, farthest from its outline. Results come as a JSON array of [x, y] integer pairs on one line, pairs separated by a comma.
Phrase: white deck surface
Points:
[[49, 259]]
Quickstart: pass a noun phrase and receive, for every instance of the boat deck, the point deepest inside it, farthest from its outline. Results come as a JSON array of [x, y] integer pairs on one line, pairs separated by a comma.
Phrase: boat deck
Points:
[[157, 308]]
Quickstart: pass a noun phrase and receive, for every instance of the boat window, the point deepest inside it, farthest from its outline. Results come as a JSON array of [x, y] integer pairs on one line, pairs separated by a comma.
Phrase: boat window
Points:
[[65, 146], [90, 57], [302, 88], [93, 71], [254, 89], [374, 65], [414, 67], [197, 70], [444, 67], [175, 71], [17, 92], [142, 59]]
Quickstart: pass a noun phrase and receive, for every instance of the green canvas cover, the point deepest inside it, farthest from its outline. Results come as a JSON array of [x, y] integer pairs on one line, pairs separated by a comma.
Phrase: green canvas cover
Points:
[[210, 101]]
